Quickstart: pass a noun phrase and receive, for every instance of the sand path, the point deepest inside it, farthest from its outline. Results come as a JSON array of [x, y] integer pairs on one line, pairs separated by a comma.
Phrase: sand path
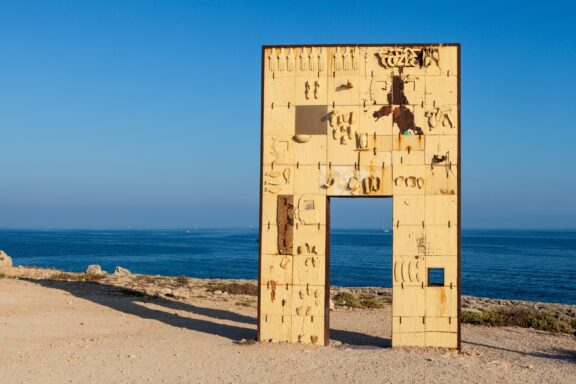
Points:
[[83, 332]]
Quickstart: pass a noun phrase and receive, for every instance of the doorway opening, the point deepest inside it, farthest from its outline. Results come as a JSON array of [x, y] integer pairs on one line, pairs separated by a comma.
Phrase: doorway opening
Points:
[[361, 256]]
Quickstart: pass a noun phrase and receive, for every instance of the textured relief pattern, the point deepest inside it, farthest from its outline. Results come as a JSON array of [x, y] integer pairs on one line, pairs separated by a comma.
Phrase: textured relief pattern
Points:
[[360, 121]]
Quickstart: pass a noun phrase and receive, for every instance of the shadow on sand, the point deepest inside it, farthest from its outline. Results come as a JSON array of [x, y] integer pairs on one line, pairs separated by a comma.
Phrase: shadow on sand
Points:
[[134, 303]]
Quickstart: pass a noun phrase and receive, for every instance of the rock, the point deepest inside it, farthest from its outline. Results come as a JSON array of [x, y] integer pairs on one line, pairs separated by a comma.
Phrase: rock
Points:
[[331, 305], [165, 291], [217, 292], [5, 260], [119, 271], [181, 293], [95, 269]]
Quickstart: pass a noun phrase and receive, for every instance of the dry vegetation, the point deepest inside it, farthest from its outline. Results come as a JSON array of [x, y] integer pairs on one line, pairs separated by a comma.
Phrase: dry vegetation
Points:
[[555, 318]]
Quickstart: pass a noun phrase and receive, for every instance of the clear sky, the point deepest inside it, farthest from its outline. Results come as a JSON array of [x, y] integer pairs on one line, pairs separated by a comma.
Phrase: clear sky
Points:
[[146, 113]]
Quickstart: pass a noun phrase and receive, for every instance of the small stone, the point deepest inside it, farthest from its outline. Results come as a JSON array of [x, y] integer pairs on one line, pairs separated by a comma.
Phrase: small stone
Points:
[[181, 293], [331, 305], [165, 291], [119, 271], [218, 292], [5, 260], [95, 269]]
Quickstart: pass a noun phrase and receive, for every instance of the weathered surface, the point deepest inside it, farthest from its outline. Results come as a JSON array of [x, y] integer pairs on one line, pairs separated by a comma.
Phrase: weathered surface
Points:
[[285, 221]]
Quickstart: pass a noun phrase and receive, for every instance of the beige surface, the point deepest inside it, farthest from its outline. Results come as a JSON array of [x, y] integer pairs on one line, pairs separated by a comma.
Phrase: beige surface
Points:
[[361, 121], [71, 332]]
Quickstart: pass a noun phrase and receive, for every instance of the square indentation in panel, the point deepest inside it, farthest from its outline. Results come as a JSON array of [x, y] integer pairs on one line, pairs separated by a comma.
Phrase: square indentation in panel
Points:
[[311, 120], [435, 277], [449, 264]]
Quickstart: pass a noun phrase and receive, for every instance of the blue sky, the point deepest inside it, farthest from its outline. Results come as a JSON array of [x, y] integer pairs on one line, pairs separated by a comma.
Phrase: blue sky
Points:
[[146, 113]]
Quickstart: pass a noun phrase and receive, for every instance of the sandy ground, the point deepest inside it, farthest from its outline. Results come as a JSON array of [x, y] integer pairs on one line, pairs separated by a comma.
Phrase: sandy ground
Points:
[[85, 332]]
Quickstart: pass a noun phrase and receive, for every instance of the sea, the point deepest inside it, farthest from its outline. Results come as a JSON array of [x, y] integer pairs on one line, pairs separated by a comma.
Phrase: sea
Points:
[[502, 264]]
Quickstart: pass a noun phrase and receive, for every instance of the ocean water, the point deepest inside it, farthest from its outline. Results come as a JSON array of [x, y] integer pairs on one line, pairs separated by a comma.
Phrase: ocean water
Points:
[[524, 265]]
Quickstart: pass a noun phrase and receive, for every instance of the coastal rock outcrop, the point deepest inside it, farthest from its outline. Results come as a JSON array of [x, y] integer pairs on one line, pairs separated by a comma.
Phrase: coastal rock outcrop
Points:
[[5, 260], [95, 269], [119, 271]]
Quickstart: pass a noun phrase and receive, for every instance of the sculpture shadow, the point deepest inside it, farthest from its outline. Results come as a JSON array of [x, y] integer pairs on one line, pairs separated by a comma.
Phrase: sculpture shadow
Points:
[[134, 303], [359, 339], [561, 354]]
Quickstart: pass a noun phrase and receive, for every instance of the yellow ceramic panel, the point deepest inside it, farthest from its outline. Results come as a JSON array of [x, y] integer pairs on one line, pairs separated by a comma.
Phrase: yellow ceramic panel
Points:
[[310, 240], [409, 179], [409, 241], [309, 179], [309, 209], [441, 241], [278, 150], [308, 300], [441, 150], [441, 302], [269, 239], [442, 339], [308, 330], [278, 121], [408, 210], [277, 268], [409, 271], [442, 180], [441, 210], [309, 269], [275, 328], [409, 300], [276, 298]]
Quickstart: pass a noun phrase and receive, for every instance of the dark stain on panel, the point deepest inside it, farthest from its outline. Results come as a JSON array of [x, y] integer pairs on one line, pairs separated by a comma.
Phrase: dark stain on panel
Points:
[[285, 222]]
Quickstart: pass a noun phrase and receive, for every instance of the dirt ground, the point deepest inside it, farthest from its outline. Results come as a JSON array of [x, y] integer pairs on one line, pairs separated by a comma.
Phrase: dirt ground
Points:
[[86, 332]]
